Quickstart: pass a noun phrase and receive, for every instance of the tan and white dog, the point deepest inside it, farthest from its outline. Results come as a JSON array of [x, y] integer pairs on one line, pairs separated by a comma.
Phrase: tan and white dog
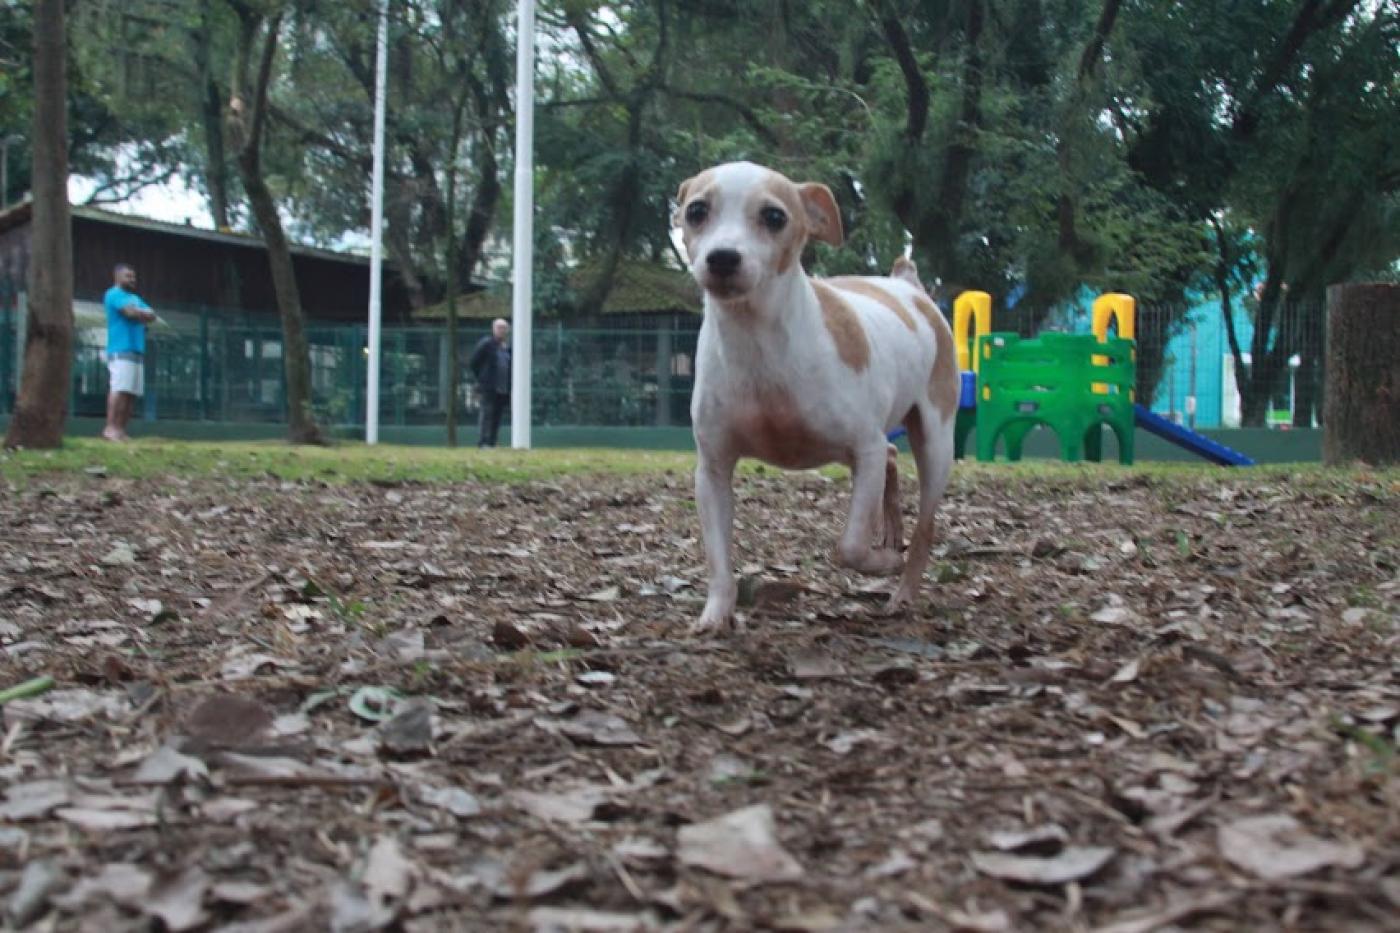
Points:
[[800, 372]]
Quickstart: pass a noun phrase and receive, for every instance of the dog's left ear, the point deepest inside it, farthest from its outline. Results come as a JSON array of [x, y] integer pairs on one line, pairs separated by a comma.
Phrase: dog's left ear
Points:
[[823, 216]]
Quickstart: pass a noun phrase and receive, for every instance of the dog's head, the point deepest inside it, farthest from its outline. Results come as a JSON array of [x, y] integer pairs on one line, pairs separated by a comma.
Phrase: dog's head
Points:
[[745, 225]]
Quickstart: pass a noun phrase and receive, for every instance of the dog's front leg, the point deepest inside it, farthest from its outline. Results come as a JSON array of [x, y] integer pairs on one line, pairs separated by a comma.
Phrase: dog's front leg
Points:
[[714, 500], [867, 490]]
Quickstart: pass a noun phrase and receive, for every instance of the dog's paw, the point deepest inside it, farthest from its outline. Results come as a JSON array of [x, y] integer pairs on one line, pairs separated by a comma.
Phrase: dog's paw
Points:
[[883, 562], [714, 622], [872, 561], [899, 603], [890, 539]]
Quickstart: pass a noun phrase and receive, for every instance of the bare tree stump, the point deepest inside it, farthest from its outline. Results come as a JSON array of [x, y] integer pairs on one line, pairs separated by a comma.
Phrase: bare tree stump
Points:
[[1363, 374]]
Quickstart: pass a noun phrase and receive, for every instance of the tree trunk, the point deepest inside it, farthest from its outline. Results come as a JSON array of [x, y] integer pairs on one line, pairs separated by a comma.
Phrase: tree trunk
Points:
[[42, 405], [1258, 392], [211, 114], [451, 276], [483, 209], [247, 120], [1362, 419], [1265, 362], [296, 357]]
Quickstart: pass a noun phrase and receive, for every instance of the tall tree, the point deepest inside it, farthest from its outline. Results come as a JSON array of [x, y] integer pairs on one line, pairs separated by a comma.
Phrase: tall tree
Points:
[[42, 405], [247, 119]]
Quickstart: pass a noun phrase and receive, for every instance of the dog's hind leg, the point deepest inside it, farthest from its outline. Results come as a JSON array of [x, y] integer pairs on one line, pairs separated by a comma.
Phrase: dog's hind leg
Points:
[[891, 522], [931, 439], [868, 484]]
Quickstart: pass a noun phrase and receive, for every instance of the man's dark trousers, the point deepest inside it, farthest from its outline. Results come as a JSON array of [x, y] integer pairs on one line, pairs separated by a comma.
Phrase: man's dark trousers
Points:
[[493, 405]]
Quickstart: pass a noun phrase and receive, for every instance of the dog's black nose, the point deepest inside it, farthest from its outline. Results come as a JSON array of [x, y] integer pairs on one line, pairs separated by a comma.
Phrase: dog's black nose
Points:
[[723, 262]]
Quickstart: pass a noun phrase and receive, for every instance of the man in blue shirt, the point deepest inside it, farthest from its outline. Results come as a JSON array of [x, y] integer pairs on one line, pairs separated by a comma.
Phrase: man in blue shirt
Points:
[[127, 317], [490, 362]]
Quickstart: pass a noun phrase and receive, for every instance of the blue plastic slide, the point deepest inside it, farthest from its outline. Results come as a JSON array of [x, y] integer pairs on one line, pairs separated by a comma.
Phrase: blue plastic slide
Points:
[[1185, 438]]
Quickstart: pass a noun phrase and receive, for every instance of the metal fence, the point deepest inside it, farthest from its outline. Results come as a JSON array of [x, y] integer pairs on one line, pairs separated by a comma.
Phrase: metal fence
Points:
[[1187, 368], [215, 366], [210, 366]]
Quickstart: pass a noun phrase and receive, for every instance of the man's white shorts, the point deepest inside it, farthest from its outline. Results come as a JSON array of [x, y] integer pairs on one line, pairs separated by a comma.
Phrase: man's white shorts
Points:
[[127, 376]]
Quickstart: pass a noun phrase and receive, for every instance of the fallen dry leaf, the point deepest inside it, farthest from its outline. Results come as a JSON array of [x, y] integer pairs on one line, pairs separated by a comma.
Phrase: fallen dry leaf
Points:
[[388, 875], [179, 902], [99, 821], [67, 706], [543, 882], [34, 799], [742, 844], [454, 800], [123, 882], [36, 883], [1276, 846], [578, 920], [598, 728], [166, 765], [1071, 864], [572, 806], [1043, 840]]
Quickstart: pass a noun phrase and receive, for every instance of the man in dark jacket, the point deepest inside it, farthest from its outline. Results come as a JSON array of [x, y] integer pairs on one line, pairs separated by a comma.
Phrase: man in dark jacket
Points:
[[490, 363]]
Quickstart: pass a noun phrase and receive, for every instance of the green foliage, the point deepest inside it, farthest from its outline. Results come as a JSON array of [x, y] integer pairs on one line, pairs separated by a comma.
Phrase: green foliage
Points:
[[1023, 145]]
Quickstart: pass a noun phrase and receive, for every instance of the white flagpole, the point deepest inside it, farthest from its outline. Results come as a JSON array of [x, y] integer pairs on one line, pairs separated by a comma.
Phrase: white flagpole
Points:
[[524, 226], [376, 224]]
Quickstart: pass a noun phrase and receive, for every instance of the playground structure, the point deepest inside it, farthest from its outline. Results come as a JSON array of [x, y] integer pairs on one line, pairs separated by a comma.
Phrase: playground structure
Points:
[[1074, 384]]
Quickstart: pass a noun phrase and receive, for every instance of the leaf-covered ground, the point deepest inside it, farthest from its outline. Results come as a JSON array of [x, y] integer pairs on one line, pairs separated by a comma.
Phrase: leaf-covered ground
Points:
[[1129, 701]]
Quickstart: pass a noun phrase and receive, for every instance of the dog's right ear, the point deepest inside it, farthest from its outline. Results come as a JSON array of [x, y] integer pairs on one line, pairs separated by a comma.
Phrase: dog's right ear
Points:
[[681, 194]]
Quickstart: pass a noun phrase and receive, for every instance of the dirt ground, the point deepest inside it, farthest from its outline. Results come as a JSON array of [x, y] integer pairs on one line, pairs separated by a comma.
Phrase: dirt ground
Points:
[[1128, 702]]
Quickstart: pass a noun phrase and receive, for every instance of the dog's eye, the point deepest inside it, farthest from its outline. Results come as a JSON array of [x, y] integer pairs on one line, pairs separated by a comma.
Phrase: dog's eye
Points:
[[773, 218], [696, 212]]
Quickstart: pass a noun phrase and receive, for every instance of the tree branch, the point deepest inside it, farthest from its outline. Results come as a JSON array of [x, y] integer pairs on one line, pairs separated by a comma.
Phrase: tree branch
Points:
[[1312, 16], [576, 20], [1092, 58], [259, 120], [103, 193], [917, 99], [1222, 282], [746, 113]]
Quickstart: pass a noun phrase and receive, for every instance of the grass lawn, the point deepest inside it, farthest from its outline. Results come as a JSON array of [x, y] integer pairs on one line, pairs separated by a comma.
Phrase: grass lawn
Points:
[[356, 462]]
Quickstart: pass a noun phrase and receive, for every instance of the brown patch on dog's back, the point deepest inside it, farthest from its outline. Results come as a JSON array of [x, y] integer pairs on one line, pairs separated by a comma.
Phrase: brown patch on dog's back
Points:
[[945, 383], [867, 288], [930, 311], [844, 326]]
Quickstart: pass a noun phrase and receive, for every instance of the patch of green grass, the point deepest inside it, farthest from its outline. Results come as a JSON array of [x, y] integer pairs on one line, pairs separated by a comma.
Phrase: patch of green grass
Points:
[[357, 462], [1383, 755], [346, 463], [1364, 597]]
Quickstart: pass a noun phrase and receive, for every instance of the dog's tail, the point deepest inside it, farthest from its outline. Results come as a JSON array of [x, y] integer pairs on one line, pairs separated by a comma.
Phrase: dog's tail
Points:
[[905, 269]]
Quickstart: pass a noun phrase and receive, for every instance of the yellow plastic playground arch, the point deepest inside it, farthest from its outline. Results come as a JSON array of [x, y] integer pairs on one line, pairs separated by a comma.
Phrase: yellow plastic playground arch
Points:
[[1114, 306], [971, 308]]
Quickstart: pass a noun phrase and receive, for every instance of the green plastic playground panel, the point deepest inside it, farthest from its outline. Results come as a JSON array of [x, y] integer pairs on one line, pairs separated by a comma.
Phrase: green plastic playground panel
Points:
[[1052, 380]]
